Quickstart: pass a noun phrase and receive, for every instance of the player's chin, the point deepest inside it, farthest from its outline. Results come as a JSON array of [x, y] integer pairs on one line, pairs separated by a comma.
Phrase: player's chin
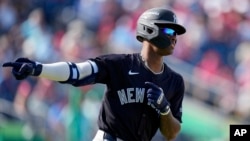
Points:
[[166, 51]]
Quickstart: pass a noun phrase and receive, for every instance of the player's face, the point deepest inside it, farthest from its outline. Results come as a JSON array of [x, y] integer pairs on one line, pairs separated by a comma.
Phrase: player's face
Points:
[[167, 50], [171, 35]]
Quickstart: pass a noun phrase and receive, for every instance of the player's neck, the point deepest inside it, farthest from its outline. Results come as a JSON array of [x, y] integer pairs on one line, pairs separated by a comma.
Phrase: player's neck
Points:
[[152, 60]]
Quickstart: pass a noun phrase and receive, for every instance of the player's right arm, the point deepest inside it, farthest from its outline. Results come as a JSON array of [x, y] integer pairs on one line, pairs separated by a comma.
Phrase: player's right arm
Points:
[[64, 72], [169, 125]]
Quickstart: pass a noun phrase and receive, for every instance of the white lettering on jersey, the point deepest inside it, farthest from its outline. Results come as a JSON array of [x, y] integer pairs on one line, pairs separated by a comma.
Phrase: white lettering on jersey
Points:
[[122, 97], [140, 94], [131, 95], [130, 92]]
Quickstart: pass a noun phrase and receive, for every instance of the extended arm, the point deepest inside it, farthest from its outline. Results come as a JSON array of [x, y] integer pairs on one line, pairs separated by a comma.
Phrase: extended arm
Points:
[[65, 72], [61, 71]]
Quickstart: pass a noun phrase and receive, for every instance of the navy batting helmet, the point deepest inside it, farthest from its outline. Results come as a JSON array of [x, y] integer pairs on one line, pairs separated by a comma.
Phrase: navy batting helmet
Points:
[[151, 22]]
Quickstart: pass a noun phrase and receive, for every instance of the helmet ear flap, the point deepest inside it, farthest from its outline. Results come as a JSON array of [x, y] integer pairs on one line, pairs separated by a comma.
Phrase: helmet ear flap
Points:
[[151, 32], [146, 31]]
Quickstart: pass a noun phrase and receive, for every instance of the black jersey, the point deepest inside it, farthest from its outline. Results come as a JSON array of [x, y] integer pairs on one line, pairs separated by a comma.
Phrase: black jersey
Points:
[[125, 112]]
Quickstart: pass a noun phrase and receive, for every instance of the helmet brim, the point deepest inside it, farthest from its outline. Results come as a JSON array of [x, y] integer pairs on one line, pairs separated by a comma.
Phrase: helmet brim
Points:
[[179, 29]]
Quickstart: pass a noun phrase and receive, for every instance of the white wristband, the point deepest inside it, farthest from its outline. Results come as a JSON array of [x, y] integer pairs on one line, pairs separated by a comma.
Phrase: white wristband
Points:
[[167, 111]]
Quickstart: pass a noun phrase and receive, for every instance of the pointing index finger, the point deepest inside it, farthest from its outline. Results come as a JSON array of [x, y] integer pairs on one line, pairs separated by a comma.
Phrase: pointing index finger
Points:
[[8, 64]]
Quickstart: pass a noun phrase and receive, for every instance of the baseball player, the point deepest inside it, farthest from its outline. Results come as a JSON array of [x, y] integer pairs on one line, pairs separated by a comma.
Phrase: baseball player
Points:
[[143, 93]]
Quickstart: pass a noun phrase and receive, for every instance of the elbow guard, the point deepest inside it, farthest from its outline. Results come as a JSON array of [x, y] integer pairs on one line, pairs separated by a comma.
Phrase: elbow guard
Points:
[[73, 73], [82, 73]]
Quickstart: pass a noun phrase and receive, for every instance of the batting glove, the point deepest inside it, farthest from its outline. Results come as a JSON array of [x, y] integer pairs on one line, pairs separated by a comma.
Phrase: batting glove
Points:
[[24, 67], [156, 98]]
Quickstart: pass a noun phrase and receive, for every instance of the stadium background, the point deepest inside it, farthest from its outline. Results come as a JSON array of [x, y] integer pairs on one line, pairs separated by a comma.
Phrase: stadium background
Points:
[[213, 57]]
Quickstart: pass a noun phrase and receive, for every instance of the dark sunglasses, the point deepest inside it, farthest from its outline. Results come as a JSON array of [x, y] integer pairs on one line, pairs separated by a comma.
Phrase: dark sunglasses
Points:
[[169, 31]]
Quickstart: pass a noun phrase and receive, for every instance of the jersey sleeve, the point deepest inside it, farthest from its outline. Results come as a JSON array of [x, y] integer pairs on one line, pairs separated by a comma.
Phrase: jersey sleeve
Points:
[[108, 68], [102, 64]]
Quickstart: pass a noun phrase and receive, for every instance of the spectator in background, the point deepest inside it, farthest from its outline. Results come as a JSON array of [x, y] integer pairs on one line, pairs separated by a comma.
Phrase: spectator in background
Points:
[[37, 43], [125, 43], [7, 95], [78, 42], [8, 87], [242, 76], [8, 16]]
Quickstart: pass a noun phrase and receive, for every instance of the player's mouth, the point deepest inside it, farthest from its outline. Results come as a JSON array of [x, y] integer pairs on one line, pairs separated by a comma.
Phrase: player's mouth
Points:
[[173, 42]]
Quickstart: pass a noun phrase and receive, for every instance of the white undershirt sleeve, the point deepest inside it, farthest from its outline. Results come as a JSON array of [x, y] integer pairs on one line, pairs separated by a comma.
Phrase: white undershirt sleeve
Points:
[[60, 71], [55, 71]]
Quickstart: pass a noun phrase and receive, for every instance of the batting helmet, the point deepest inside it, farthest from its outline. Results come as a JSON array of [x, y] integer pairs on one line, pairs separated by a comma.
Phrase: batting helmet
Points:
[[150, 23]]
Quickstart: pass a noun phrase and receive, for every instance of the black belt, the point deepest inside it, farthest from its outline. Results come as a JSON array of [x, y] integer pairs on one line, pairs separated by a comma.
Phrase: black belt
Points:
[[108, 137]]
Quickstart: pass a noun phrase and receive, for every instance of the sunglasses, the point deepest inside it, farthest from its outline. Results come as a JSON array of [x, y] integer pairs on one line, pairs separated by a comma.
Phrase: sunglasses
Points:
[[169, 31]]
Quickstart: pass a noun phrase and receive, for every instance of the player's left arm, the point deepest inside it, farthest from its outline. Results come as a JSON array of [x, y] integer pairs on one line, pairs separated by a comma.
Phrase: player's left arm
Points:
[[169, 125]]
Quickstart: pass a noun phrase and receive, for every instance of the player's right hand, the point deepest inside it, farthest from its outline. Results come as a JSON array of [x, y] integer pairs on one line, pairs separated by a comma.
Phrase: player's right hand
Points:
[[156, 98], [23, 67]]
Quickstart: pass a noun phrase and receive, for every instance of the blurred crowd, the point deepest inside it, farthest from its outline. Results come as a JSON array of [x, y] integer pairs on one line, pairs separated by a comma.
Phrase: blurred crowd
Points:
[[217, 45]]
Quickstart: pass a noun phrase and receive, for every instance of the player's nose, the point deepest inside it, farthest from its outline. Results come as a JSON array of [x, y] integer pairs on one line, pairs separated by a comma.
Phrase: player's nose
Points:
[[173, 39]]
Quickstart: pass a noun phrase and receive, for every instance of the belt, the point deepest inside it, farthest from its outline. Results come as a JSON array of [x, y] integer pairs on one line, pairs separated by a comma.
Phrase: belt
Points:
[[104, 136]]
